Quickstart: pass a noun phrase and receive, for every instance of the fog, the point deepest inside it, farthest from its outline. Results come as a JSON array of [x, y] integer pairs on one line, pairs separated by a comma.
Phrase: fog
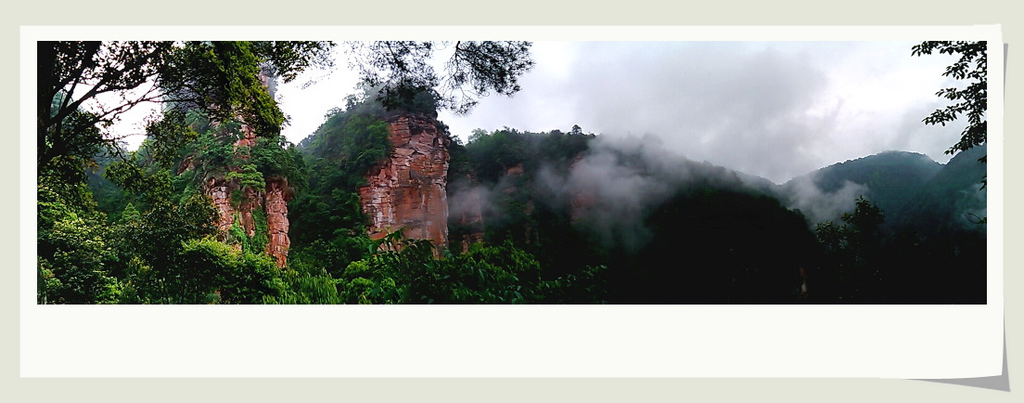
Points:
[[772, 109]]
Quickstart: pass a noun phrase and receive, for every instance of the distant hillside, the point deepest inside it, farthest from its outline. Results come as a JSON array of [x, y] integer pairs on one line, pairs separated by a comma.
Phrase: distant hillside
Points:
[[951, 198], [889, 179]]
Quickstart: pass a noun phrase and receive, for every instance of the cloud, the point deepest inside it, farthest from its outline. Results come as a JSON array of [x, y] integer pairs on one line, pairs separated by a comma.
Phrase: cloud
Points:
[[772, 109], [820, 206], [613, 197]]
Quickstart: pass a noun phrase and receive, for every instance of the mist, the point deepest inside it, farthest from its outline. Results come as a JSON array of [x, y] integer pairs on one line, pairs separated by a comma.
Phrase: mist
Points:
[[610, 194], [771, 109], [611, 188], [818, 205]]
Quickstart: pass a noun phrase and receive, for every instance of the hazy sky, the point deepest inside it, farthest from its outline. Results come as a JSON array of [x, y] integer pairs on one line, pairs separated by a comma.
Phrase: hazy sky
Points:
[[773, 109]]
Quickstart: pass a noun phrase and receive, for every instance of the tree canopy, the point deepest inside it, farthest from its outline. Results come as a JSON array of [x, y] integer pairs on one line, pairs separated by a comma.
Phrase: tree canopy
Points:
[[970, 101], [151, 237], [219, 78], [402, 70]]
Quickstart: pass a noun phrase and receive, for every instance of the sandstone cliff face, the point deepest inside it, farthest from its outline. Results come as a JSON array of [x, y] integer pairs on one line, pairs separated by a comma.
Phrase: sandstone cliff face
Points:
[[234, 202], [407, 190], [245, 204], [276, 208]]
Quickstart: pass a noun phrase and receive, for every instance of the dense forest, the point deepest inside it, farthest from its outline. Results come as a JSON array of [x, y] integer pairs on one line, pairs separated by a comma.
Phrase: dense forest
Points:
[[552, 217]]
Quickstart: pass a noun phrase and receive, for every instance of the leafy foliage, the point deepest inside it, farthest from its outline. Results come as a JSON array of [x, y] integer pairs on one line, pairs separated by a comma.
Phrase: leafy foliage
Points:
[[853, 266], [405, 271], [218, 78], [862, 264], [338, 154], [970, 101], [402, 71], [159, 245], [73, 258], [224, 275]]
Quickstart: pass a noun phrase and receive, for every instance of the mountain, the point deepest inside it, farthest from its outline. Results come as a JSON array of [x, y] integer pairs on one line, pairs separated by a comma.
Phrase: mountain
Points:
[[911, 189], [664, 229], [628, 222], [889, 180], [951, 198]]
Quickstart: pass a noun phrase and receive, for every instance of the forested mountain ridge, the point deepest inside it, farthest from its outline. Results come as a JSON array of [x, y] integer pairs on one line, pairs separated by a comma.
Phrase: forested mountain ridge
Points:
[[604, 214], [953, 196], [611, 203], [889, 179], [912, 189]]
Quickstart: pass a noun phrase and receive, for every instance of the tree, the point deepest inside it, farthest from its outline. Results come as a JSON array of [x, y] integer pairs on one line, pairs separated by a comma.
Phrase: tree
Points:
[[73, 259], [402, 70], [220, 78], [854, 266], [223, 79], [405, 271], [970, 101], [65, 67]]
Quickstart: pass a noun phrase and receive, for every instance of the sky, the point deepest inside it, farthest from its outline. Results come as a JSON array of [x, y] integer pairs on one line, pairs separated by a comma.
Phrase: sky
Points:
[[772, 109]]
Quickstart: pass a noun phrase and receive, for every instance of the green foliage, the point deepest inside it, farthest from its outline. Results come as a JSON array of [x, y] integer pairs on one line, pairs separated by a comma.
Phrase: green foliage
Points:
[[950, 199], [169, 134], [74, 249], [853, 264], [260, 239], [508, 163], [57, 199], [221, 79], [339, 155], [970, 101], [110, 198], [404, 75], [247, 177], [227, 75], [502, 274], [492, 154], [73, 259], [865, 219], [150, 237], [589, 285], [239, 277], [255, 244], [149, 186], [892, 178], [214, 155], [306, 284], [278, 158]]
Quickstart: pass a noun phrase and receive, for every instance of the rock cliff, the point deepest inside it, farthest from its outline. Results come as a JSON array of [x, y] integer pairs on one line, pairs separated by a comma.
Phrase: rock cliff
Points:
[[260, 213], [276, 209], [407, 190]]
